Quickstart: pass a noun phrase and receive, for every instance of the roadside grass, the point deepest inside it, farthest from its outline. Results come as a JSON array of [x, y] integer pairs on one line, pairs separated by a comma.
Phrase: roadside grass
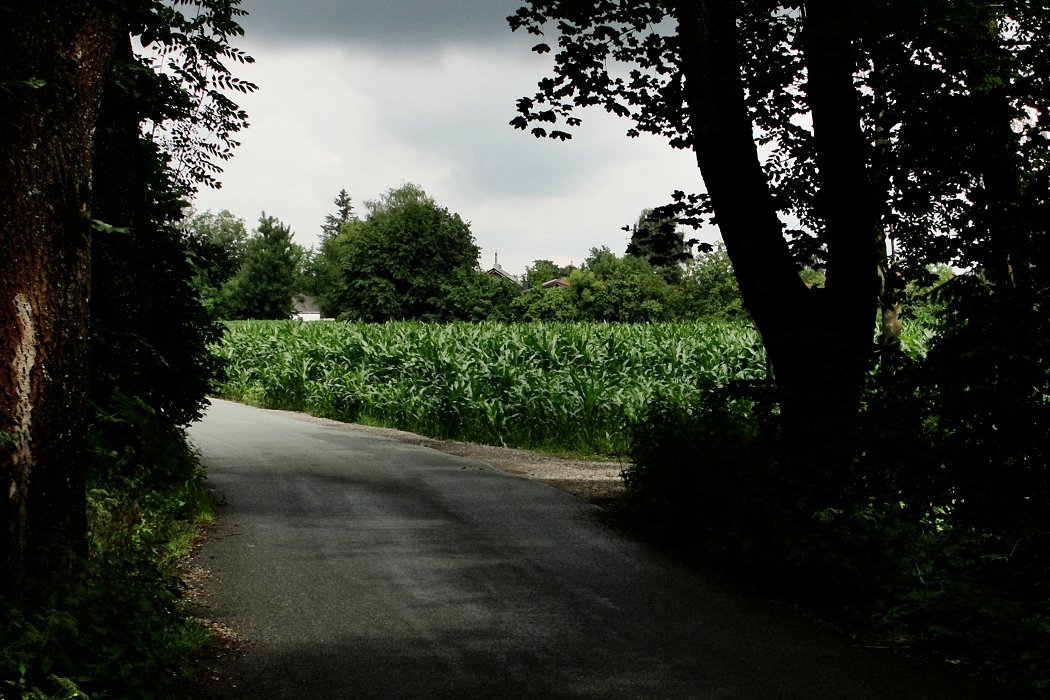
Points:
[[112, 624]]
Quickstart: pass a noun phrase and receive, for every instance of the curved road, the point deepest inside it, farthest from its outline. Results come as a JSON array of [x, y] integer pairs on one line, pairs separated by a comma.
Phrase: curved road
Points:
[[361, 567]]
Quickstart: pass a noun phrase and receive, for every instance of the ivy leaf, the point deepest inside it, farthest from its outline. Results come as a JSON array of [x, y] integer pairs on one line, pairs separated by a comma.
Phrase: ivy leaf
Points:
[[103, 227], [31, 84]]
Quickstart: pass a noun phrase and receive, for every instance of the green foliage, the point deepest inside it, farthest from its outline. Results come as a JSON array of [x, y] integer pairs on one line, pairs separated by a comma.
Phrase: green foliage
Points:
[[264, 284], [322, 275], [626, 295], [548, 385], [922, 310], [149, 332], [401, 262], [608, 288], [165, 123], [182, 84], [630, 290], [987, 380], [659, 241], [344, 214], [473, 295], [543, 271], [545, 304], [708, 288], [703, 476], [112, 625], [217, 244], [365, 273]]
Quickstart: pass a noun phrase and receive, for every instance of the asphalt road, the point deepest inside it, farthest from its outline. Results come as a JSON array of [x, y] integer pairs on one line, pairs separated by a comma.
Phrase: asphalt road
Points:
[[360, 567]]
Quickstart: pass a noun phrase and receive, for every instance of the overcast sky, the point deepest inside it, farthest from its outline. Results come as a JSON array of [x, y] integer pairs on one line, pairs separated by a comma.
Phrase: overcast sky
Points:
[[368, 95]]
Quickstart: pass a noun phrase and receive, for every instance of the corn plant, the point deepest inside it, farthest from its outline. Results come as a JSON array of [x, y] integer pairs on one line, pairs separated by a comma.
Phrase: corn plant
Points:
[[558, 386]]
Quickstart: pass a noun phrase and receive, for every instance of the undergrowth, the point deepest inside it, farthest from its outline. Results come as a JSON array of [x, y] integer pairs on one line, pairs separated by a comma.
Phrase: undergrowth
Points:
[[111, 624], [903, 561]]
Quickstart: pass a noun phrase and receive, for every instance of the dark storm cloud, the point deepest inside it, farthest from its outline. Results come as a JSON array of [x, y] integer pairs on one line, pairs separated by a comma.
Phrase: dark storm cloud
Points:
[[394, 24]]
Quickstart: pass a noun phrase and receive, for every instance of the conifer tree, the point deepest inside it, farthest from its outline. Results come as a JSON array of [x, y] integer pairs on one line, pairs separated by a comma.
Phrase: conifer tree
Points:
[[344, 213]]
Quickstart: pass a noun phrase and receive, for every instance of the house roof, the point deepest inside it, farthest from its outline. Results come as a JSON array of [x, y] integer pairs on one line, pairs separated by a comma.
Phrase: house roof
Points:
[[498, 271]]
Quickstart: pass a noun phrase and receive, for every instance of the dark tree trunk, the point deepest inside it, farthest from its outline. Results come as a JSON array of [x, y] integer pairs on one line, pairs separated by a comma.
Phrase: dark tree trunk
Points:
[[819, 341], [46, 131], [891, 283]]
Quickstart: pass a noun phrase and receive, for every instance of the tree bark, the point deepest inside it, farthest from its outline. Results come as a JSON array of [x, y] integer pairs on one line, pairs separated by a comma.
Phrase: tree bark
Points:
[[819, 341], [46, 129]]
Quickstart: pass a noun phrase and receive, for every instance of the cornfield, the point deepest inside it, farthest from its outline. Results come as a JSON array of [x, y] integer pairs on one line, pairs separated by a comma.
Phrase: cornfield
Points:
[[563, 387]]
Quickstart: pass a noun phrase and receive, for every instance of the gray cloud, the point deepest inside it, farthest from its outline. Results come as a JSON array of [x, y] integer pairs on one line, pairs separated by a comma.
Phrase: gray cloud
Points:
[[367, 94], [385, 24]]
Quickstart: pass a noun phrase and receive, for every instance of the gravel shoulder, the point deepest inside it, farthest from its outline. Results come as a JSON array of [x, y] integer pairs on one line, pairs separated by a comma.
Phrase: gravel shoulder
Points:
[[595, 481]]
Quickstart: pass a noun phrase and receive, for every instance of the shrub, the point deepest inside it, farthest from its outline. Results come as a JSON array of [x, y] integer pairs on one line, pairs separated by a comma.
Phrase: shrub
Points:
[[111, 624], [704, 476]]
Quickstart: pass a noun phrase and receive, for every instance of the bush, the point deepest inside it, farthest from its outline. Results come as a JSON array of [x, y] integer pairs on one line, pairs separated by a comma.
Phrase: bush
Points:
[[111, 624], [902, 560], [704, 476]]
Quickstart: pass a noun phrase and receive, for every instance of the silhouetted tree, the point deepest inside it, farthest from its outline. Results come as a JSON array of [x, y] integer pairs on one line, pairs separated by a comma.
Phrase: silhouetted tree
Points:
[[343, 214], [892, 118]]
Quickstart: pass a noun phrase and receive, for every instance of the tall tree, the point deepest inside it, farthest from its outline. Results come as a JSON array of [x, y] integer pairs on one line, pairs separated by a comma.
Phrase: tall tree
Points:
[[819, 358], [217, 244], [344, 213], [72, 100], [322, 276], [402, 261], [54, 57], [866, 114], [661, 242], [264, 285]]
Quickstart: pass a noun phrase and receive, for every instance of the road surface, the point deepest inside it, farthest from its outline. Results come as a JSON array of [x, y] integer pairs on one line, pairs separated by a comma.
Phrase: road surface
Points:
[[357, 566]]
